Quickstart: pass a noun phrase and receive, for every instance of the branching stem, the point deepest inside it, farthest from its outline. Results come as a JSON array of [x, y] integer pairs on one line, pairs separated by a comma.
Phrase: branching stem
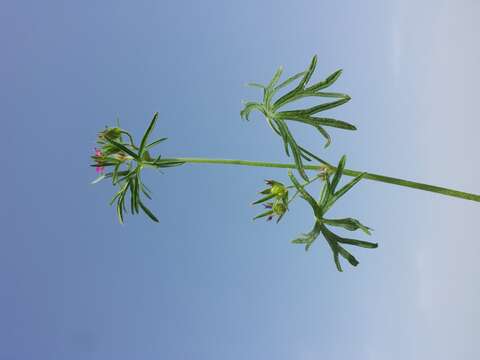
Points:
[[348, 172]]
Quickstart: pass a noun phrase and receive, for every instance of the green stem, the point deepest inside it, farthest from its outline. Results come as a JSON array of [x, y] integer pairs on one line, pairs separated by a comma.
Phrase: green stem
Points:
[[370, 176]]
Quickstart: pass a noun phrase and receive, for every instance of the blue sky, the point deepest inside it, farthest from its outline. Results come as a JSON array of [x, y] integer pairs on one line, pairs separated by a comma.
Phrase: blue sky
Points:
[[207, 282]]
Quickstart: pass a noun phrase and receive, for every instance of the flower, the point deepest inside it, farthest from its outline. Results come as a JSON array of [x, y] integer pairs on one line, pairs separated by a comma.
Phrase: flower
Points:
[[98, 155]]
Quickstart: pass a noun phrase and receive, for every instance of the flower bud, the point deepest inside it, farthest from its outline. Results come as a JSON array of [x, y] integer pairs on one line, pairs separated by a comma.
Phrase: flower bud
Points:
[[112, 133], [279, 208], [278, 190]]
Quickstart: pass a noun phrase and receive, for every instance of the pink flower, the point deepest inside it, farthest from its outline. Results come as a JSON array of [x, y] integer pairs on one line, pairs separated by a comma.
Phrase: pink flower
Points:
[[99, 169]]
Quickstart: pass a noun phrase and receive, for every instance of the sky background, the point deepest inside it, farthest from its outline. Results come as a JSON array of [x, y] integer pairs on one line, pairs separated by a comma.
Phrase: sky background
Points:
[[207, 282]]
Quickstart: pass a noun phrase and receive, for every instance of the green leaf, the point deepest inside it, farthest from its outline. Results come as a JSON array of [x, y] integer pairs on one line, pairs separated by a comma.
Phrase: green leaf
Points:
[[121, 202], [119, 173], [129, 137], [321, 107], [265, 198], [348, 224], [338, 249], [133, 197], [115, 174], [284, 136], [122, 147], [147, 211], [144, 188], [326, 94], [338, 173], [298, 91], [276, 77], [290, 80], [348, 186], [156, 142], [264, 214], [359, 243], [147, 133], [325, 135], [325, 83], [163, 163], [257, 85], [305, 195], [309, 238], [295, 150], [309, 73], [299, 116], [326, 194], [136, 191], [269, 91], [248, 108], [303, 150], [334, 247], [349, 257]]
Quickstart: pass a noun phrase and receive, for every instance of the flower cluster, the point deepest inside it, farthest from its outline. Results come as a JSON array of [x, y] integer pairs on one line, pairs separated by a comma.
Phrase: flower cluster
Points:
[[277, 193], [127, 159]]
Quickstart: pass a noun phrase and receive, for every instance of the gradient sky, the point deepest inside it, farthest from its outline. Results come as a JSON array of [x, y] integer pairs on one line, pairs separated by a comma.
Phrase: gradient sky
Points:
[[207, 282]]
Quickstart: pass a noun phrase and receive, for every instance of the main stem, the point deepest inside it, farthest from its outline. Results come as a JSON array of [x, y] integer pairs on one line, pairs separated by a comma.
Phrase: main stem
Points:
[[348, 172]]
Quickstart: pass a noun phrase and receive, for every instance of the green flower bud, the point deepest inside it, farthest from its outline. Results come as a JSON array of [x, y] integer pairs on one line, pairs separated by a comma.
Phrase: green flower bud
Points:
[[279, 208], [112, 133], [278, 190]]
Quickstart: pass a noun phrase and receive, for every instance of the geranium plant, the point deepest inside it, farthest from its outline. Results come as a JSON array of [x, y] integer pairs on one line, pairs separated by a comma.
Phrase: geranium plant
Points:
[[125, 160]]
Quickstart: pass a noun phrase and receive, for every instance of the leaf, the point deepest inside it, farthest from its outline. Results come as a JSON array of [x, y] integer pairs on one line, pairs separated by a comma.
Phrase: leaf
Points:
[[325, 83], [133, 196], [305, 195], [275, 78], [309, 238], [265, 198], [338, 173], [334, 247], [326, 194], [266, 213], [122, 147], [98, 179], [129, 137], [326, 94], [325, 135], [147, 133], [295, 150], [359, 243], [163, 163], [309, 73], [303, 150], [283, 134], [299, 116], [348, 186], [147, 211], [290, 80], [298, 91], [348, 224], [269, 91], [121, 202], [338, 249], [156, 142], [349, 257], [322, 107], [249, 107], [256, 85]]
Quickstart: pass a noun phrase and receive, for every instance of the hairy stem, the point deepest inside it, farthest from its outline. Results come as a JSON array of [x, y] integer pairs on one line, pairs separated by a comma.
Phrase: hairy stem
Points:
[[348, 172]]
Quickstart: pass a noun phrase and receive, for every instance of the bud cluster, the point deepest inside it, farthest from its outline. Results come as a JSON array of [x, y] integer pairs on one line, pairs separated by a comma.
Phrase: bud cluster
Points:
[[275, 200], [128, 161]]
